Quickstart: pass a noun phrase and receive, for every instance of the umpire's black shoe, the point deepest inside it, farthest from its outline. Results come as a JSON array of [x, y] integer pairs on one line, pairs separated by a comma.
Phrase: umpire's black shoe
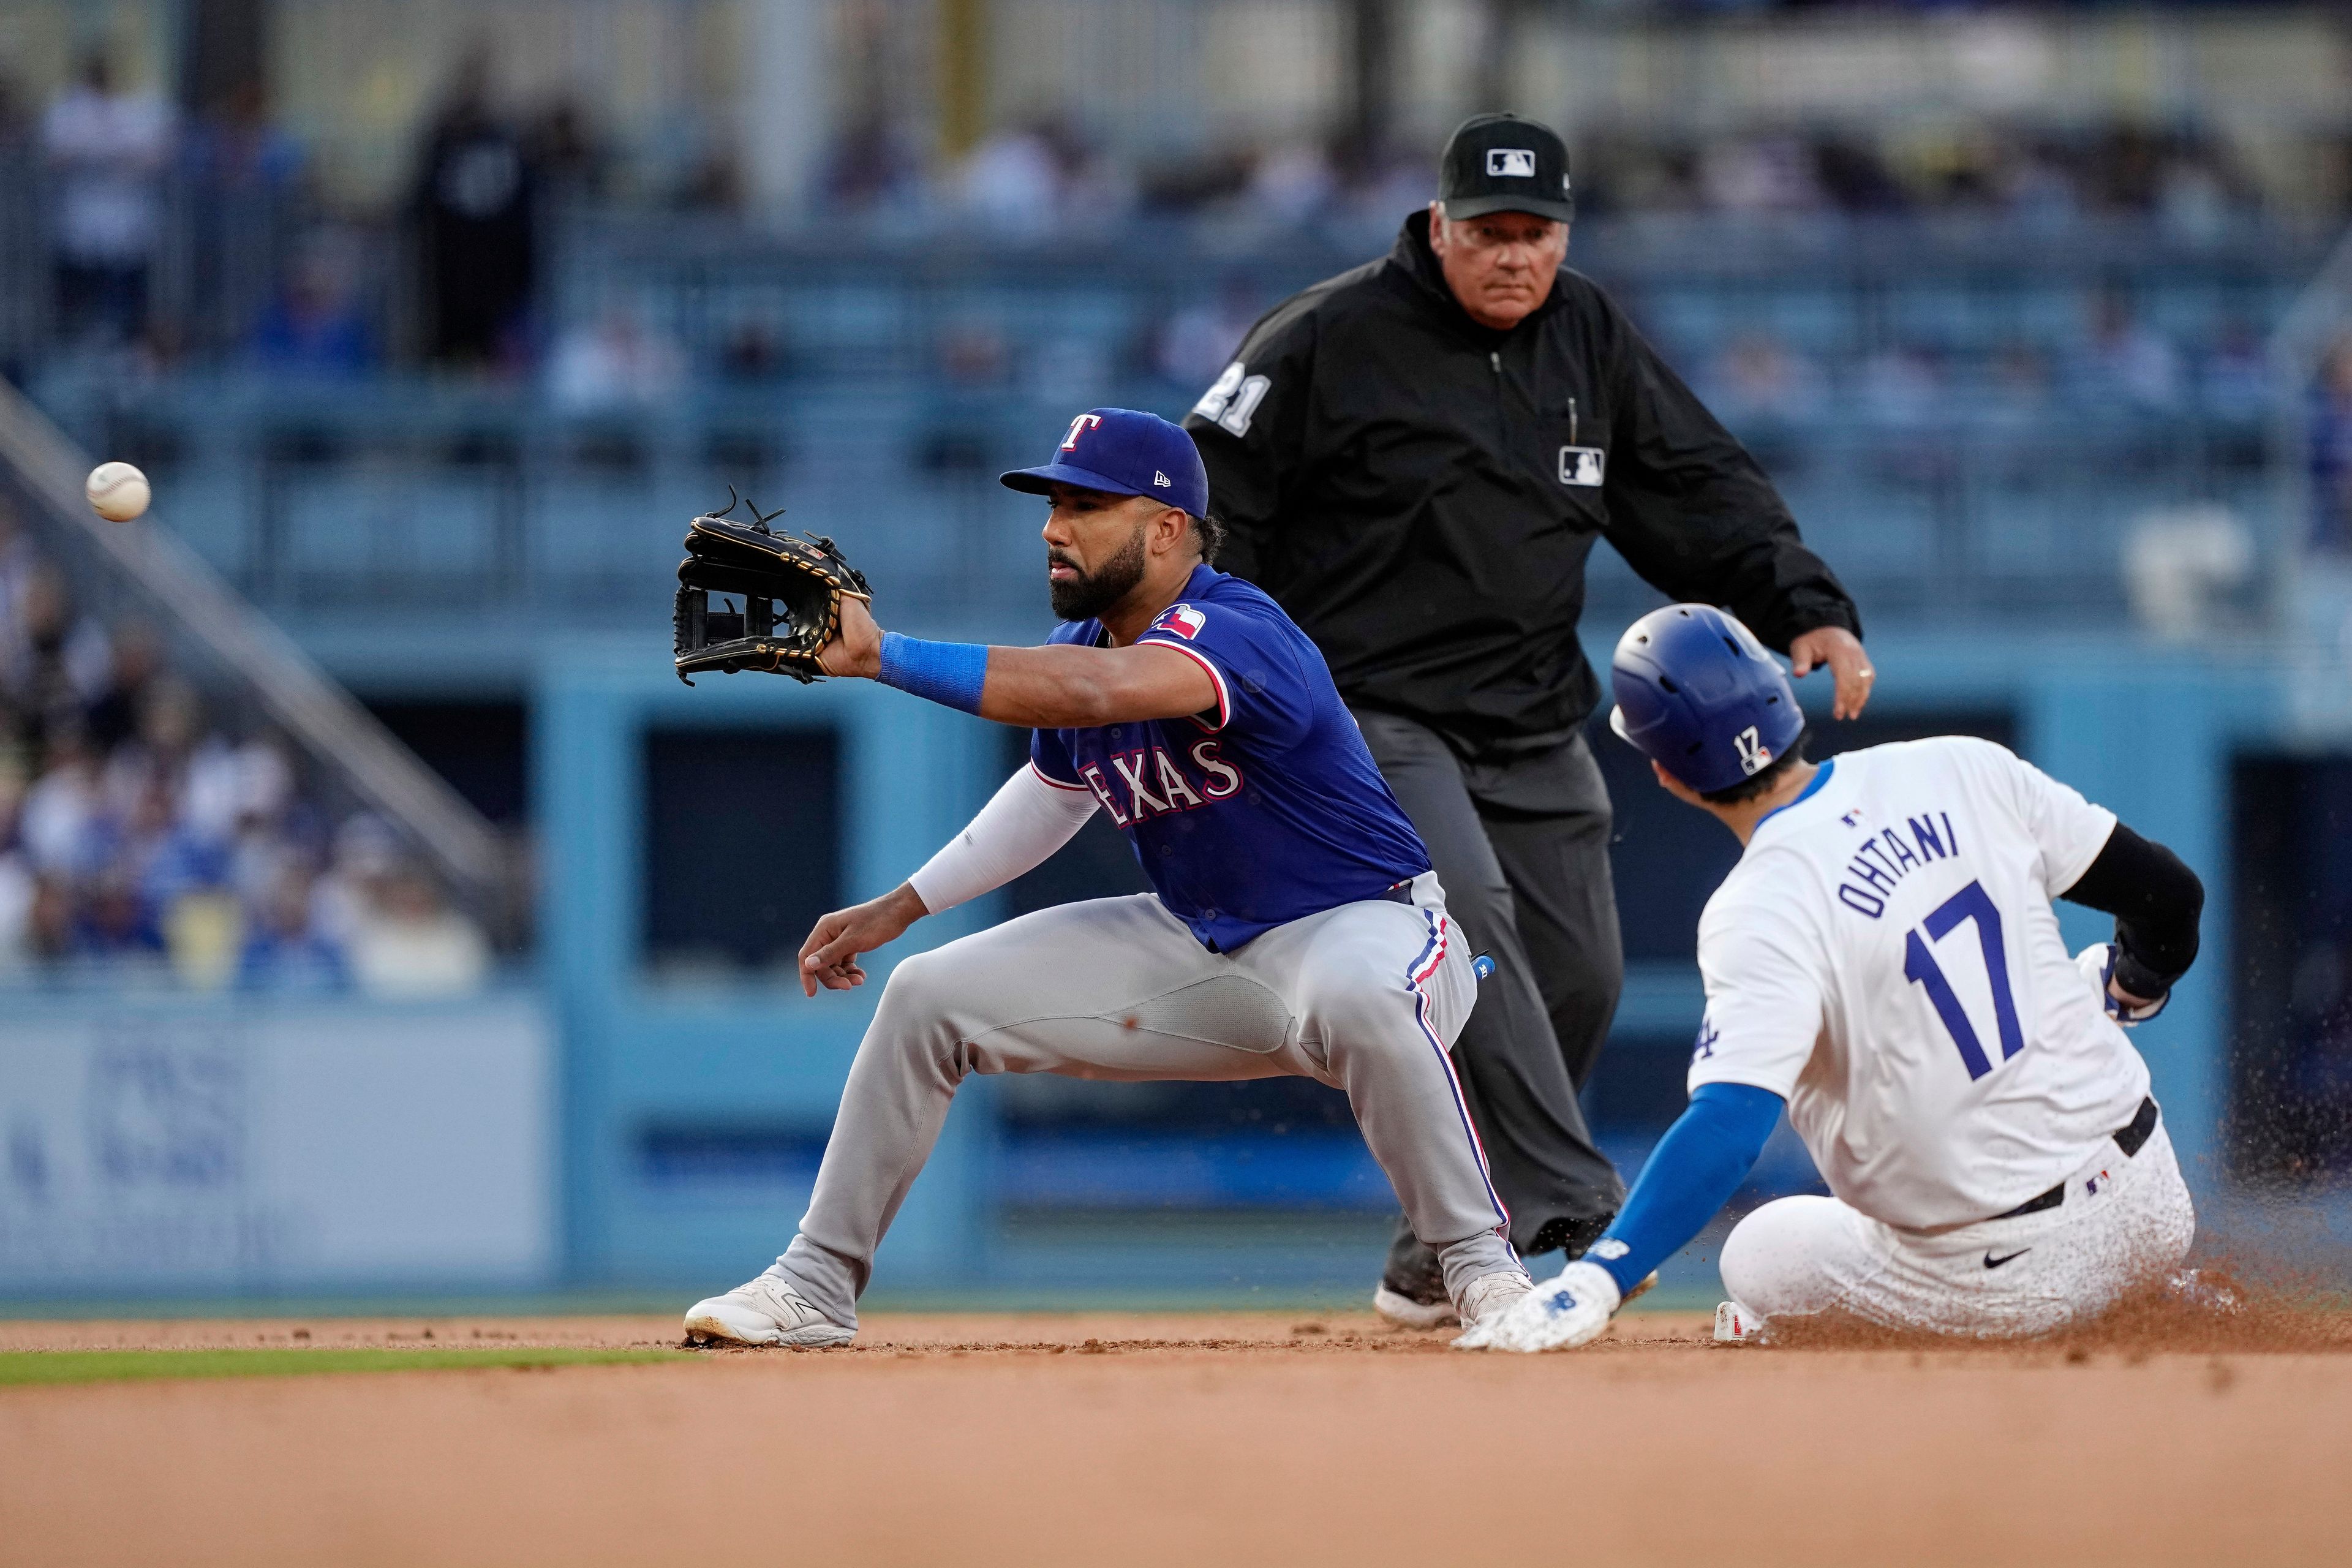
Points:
[[1419, 1302]]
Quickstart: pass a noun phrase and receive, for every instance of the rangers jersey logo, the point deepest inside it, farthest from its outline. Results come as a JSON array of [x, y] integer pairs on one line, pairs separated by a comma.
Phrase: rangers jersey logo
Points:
[[1182, 619]]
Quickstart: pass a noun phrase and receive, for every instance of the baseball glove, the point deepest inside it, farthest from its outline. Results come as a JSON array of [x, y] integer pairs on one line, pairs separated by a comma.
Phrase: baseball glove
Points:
[[791, 590]]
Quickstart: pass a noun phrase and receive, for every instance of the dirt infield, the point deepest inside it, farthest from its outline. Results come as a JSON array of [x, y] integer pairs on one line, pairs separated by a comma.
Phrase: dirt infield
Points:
[[1194, 1440]]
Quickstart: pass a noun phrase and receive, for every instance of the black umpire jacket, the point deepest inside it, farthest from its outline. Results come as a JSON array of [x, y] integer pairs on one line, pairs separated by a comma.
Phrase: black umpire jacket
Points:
[[1420, 493]]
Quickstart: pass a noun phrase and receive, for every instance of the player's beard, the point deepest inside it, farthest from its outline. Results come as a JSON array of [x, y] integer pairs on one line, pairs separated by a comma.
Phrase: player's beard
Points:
[[1090, 594]]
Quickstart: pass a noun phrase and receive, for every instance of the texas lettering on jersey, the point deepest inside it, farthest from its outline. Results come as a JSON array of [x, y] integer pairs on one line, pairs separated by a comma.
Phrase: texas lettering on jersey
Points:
[[1152, 784], [1259, 811]]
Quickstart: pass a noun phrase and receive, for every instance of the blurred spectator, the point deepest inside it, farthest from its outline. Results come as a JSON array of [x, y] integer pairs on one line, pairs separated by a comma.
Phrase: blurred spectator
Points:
[[973, 353], [2125, 360], [616, 362], [2331, 451], [753, 351], [565, 153], [1011, 182], [107, 149], [137, 658], [1900, 384], [61, 822], [1757, 377], [1853, 176], [285, 950], [2020, 382], [1292, 183], [473, 203], [1031, 180], [53, 660], [411, 945], [366, 851], [18, 889], [2235, 380], [871, 166], [113, 921], [315, 327], [1198, 340], [240, 149], [1770, 173]]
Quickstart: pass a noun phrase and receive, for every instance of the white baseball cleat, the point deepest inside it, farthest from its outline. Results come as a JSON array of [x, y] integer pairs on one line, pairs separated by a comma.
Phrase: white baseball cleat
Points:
[[763, 1311], [1396, 1307], [1571, 1309], [1485, 1302], [1735, 1325]]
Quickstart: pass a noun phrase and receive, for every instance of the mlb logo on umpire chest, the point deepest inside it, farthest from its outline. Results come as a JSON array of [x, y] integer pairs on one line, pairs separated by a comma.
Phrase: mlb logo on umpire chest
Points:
[[1511, 160], [1581, 465]]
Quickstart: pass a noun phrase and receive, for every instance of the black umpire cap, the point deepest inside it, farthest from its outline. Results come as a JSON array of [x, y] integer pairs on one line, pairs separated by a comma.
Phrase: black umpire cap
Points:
[[1502, 163]]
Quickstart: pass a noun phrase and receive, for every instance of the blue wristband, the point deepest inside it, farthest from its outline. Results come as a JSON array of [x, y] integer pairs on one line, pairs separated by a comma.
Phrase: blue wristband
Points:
[[949, 673]]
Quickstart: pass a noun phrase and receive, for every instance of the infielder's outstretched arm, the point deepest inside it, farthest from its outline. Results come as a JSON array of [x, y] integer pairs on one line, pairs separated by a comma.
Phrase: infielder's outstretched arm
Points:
[[1026, 821], [1052, 688]]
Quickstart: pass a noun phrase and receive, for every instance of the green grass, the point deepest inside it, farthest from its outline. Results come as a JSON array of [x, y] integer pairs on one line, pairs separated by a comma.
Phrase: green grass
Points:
[[19, 1367]]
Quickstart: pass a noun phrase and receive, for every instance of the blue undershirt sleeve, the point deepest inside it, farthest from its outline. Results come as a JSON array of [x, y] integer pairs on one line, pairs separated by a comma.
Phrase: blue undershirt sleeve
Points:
[[1692, 1172]]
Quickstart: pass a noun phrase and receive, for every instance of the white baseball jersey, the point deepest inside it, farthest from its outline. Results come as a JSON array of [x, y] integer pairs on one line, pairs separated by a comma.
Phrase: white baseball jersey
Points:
[[1885, 956]]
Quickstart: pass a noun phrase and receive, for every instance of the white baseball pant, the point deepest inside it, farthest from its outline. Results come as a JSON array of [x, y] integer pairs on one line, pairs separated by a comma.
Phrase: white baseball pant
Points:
[[2126, 1221]]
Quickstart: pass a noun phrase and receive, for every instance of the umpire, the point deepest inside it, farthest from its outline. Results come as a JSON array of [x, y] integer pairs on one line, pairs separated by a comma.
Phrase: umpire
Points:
[[1415, 457]]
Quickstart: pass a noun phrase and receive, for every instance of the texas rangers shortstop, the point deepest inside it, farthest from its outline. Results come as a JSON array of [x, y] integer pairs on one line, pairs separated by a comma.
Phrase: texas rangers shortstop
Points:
[[1296, 926], [1885, 962]]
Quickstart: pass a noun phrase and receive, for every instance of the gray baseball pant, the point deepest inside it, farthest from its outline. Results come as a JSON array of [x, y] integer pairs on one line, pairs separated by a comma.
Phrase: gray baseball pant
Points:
[[1367, 997], [1523, 846]]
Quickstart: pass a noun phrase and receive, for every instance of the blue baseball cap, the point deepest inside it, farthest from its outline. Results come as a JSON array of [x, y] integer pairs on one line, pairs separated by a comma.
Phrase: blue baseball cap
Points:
[[1126, 452], [1697, 694]]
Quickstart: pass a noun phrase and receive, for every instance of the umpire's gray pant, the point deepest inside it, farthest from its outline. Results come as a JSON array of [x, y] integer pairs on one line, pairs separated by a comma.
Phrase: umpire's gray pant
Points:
[[1366, 997], [1523, 849]]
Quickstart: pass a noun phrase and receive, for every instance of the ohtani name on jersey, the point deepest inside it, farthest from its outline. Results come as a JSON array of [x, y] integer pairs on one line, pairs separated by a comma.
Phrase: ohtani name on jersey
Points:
[[1149, 783], [1891, 854]]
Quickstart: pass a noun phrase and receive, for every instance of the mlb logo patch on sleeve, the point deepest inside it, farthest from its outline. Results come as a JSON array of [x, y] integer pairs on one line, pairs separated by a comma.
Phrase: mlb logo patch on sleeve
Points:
[[1581, 465], [1182, 619]]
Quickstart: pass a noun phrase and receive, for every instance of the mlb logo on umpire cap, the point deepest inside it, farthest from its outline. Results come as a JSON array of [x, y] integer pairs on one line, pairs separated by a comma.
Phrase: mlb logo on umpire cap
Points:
[[1124, 452], [1500, 163]]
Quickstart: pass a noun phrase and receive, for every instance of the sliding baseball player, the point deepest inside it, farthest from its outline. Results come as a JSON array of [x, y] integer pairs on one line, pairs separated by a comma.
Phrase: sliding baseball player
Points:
[[1294, 926], [1884, 964]]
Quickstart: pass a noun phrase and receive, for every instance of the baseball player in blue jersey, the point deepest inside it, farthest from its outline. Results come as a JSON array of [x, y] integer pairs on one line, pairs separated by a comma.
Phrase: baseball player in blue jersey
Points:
[[1295, 925]]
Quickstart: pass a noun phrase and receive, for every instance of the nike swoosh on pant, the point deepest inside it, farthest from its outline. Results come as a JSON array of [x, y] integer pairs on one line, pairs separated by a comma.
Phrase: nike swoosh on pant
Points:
[[1992, 1262]]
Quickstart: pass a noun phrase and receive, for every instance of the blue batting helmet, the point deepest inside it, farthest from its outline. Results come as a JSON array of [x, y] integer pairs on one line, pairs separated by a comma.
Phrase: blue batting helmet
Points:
[[1697, 694]]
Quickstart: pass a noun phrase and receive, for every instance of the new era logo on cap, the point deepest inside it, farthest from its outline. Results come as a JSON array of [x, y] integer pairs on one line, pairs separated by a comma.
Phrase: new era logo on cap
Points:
[[1516, 161], [1159, 478]]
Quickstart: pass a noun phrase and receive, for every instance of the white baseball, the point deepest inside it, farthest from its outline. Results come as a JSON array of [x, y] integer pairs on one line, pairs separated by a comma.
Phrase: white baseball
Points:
[[118, 490]]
